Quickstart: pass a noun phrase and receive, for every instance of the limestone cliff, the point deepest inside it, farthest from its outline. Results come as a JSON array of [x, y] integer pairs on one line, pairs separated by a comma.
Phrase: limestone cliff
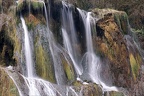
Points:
[[112, 40]]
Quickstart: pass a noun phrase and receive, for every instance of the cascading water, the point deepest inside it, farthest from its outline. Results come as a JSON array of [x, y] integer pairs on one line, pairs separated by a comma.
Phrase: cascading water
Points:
[[93, 62], [71, 39], [28, 53], [40, 87], [54, 52], [32, 81]]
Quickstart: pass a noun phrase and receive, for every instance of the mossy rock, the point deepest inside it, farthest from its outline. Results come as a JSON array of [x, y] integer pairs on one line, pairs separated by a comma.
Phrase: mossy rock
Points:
[[44, 68], [135, 65], [7, 86], [68, 69], [9, 41], [37, 5], [122, 22], [29, 6], [90, 89], [121, 18], [31, 21], [77, 83], [111, 44], [113, 93]]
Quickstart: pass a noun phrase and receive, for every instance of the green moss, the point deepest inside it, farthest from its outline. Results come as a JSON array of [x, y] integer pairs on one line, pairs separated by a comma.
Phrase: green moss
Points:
[[44, 68], [134, 66], [115, 94], [77, 83], [37, 5], [68, 69], [25, 4], [117, 19], [7, 86], [124, 23], [121, 19], [30, 26], [139, 31]]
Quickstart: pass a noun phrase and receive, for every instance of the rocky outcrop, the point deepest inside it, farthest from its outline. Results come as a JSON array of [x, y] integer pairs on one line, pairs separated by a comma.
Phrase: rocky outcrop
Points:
[[111, 43], [8, 87], [8, 41], [120, 53]]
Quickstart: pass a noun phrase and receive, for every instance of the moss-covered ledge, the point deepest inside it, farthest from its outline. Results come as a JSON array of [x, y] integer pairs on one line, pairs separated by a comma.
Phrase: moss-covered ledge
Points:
[[29, 6], [120, 17]]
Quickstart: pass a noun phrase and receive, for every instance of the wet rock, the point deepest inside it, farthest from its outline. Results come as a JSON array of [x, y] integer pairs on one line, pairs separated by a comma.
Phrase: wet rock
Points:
[[8, 87], [111, 44], [43, 60], [68, 68], [120, 18], [113, 94], [89, 89]]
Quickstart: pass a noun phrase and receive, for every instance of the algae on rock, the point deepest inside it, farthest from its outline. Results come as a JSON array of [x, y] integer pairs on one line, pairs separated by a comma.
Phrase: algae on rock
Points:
[[7, 86]]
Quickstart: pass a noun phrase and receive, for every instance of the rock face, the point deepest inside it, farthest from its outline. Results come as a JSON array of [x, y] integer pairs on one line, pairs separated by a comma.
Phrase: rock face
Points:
[[111, 43], [8, 87], [7, 41]]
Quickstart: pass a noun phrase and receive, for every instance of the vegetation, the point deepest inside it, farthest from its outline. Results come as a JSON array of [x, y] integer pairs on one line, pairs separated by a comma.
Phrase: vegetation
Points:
[[8, 87], [68, 69], [135, 66], [139, 31], [36, 5], [116, 94], [44, 69], [31, 21]]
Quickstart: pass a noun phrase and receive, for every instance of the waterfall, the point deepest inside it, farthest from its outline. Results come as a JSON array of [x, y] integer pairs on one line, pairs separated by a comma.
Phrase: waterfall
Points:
[[39, 87], [32, 82], [59, 74], [71, 39], [93, 62], [28, 53]]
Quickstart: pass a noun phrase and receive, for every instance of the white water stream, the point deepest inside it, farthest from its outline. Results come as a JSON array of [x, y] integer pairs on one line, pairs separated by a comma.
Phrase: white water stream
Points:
[[30, 80], [28, 53], [93, 62], [69, 36], [40, 87]]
